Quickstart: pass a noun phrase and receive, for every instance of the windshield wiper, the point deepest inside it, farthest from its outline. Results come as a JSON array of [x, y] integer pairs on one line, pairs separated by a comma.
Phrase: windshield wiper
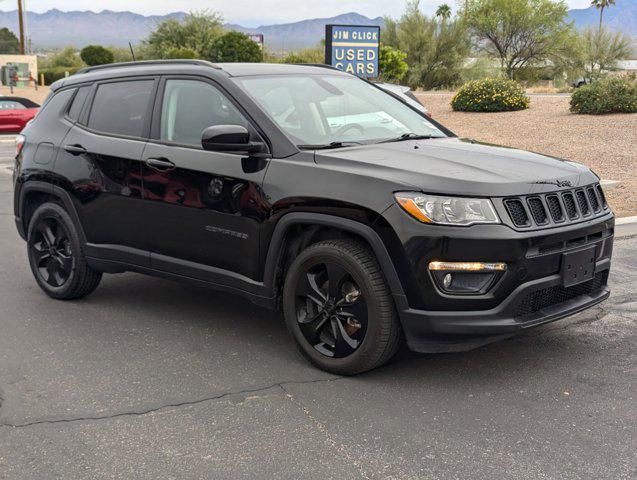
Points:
[[410, 136], [327, 146]]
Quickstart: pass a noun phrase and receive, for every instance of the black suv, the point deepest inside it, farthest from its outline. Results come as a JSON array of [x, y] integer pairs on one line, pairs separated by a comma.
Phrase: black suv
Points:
[[310, 190]]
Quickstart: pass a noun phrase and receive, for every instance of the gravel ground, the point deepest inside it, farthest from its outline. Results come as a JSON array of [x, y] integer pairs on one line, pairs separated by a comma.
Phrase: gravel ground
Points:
[[607, 143]]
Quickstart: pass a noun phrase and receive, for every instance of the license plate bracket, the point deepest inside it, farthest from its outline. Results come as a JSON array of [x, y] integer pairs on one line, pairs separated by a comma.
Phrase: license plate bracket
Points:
[[578, 267]]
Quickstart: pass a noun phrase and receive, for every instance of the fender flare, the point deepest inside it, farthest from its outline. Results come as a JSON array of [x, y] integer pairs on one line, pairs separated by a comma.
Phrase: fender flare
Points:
[[55, 191], [352, 226]]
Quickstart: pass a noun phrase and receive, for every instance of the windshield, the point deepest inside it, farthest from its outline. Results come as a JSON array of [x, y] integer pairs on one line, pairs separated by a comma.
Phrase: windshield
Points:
[[330, 109]]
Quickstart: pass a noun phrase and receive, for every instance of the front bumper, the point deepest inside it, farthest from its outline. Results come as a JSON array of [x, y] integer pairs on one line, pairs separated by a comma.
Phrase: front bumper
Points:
[[531, 304], [530, 293]]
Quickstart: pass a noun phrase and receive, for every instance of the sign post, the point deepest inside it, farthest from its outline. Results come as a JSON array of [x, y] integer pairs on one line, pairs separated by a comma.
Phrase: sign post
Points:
[[353, 49]]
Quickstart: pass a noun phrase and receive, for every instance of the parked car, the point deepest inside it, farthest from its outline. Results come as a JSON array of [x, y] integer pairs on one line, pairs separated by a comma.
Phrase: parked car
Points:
[[238, 176], [405, 94], [15, 113], [581, 81]]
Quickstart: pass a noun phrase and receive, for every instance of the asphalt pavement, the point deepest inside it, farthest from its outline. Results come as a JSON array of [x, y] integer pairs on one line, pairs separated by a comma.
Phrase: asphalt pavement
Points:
[[149, 378]]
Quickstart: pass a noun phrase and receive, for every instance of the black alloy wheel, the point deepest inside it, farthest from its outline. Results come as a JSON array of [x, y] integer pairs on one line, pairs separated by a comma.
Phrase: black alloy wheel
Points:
[[56, 255], [331, 310], [339, 309], [50, 247]]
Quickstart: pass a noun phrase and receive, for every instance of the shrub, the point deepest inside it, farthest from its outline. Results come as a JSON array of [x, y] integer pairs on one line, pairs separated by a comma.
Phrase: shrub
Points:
[[235, 47], [609, 95], [53, 74], [490, 95], [96, 55]]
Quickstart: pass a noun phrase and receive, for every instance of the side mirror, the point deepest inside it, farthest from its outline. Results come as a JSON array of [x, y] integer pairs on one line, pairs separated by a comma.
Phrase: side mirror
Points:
[[229, 138]]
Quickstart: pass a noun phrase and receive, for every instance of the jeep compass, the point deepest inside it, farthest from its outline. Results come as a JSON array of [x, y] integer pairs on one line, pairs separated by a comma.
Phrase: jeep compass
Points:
[[309, 190]]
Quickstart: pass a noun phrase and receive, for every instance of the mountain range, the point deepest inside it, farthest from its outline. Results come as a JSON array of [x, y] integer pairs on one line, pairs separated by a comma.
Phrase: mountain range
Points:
[[56, 28]]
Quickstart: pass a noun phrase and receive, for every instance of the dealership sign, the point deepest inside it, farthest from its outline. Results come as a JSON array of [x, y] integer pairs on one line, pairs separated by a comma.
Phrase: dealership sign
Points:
[[353, 49]]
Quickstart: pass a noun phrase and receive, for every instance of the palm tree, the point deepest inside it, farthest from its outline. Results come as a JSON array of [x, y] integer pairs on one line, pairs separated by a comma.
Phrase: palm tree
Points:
[[444, 12], [601, 5]]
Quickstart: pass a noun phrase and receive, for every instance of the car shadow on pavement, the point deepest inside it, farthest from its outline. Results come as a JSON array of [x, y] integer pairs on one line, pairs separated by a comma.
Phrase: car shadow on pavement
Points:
[[560, 345]]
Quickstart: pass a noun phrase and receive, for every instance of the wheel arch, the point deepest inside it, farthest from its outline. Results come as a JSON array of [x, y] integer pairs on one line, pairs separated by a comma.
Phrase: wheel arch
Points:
[[35, 193], [313, 226]]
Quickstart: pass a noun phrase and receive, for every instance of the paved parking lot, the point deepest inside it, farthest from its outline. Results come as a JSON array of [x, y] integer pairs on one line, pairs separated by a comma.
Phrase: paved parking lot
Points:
[[148, 378]]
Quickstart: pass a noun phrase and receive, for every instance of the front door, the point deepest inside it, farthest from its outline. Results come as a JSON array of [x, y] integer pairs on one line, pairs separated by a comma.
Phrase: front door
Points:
[[203, 209]]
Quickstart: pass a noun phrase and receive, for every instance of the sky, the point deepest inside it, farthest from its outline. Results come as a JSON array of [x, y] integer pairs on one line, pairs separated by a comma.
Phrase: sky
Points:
[[247, 12]]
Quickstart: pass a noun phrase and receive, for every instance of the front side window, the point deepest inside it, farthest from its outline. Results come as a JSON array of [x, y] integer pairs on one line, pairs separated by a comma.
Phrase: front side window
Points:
[[322, 109], [191, 106], [121, 108]]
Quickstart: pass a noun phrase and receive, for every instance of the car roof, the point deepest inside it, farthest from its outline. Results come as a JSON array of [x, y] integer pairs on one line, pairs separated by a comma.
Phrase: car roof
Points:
[[155, 67]]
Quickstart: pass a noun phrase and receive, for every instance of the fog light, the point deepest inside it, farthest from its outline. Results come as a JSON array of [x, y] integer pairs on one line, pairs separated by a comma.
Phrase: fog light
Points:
[[465, 278], [467, 266]]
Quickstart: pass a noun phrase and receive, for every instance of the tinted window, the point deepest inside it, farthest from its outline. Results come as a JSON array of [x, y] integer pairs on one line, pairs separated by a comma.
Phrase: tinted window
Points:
[[10, 105], [190, 107], [78, 103], [121, 108]]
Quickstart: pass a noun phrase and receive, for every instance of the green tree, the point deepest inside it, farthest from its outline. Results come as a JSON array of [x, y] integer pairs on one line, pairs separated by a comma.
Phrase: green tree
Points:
[[121, 54], [196, 32], [67, 57], [600, 51], [391, 64], [183, 53], [96, 55], [519, 32], [235, 47], [435, 55], [601, 5], [443, 12], [9, 43]]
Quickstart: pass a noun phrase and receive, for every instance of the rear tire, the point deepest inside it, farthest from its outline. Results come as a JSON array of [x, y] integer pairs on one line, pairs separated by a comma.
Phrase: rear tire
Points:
[[56, 256], [339, 309]]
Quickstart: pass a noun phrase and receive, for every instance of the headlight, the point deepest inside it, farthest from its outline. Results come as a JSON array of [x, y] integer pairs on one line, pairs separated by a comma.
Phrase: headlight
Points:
[[447, 210]]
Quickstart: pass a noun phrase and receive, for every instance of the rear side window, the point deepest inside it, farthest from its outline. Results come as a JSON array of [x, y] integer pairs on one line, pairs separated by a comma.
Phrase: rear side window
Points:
[[78, 103], [121, 108]]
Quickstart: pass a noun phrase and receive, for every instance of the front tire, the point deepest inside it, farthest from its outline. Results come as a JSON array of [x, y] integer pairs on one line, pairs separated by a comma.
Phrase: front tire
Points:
[[339, 309], [56, 257]]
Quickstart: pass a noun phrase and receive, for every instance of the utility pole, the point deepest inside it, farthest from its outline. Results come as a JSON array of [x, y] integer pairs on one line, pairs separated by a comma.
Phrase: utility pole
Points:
[[21, 22]]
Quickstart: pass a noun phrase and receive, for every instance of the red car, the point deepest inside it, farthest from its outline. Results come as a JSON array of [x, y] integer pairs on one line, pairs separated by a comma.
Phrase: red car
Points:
[[15, 112]]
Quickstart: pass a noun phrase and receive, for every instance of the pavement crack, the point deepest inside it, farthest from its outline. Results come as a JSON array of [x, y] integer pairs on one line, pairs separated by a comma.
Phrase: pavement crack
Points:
[[338, 447], [186, 403]]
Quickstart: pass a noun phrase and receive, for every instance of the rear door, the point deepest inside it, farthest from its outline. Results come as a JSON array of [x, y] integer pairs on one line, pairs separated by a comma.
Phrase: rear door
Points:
[[100, 158]]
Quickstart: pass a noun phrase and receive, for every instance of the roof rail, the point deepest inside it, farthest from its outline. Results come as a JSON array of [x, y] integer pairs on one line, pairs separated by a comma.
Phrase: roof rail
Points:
[[143, 63], [321, 65]]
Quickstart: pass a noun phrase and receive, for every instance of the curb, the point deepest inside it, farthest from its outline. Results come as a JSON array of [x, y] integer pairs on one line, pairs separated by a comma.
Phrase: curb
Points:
[[625, 227]]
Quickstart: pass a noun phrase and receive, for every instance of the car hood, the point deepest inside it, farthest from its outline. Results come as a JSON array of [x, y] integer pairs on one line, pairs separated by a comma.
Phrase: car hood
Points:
[[458, 166]]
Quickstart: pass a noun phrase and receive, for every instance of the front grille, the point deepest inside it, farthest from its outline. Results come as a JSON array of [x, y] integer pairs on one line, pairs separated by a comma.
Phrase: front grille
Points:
[[602, 197], [552, 296], [581, 201], [555, 208], [517, 212], [537, 210], [592, 197], [569, 204]]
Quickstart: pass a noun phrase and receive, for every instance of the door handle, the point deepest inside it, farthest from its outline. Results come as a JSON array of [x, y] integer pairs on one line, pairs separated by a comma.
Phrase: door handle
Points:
[[75, 149], [161, 164]]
